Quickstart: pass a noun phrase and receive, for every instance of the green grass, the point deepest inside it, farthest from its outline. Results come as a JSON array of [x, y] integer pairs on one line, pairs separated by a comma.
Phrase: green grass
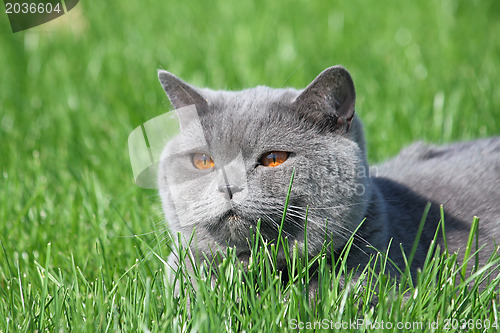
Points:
[[72, 90]]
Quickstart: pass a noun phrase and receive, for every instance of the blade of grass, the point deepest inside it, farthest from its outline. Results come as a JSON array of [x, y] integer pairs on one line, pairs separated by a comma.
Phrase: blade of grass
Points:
[[280, 230]]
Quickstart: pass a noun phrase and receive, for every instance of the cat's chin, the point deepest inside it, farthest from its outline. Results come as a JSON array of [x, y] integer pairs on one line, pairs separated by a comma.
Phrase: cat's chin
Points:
[[230, 229], [243, 257]]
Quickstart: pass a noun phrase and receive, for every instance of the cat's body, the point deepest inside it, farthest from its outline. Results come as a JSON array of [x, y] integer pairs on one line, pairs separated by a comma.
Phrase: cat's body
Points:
[[235, 135], [463, 177]]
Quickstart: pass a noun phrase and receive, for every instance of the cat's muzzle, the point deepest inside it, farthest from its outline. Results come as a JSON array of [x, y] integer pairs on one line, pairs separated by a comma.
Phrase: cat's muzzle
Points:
[[229, 190]]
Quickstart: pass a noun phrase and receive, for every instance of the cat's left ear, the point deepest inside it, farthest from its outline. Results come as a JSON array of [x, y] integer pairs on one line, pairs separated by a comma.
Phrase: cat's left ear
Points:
[[329, 100], [180, 93]]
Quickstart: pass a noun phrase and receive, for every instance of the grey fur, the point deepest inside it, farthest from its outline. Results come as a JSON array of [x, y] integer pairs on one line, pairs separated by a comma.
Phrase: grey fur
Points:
[[318, 127]]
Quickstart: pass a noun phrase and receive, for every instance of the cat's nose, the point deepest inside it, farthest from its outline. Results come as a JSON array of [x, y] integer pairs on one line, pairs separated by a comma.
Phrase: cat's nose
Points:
[[229, 190]]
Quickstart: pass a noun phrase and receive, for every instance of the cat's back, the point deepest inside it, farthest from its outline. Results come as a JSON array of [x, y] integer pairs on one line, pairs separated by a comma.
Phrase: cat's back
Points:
[[458, 163], [463, 177]]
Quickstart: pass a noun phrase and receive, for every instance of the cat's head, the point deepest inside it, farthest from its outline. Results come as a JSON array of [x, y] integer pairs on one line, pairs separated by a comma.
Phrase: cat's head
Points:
[[232, 163]]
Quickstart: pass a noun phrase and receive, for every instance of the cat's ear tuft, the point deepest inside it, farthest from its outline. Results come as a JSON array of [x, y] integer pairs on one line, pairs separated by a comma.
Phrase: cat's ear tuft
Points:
[[329, 100], [180, 93]]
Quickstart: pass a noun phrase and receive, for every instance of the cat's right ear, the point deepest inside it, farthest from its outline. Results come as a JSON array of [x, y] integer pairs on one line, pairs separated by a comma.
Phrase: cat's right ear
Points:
[[180, 93], [328, 102]]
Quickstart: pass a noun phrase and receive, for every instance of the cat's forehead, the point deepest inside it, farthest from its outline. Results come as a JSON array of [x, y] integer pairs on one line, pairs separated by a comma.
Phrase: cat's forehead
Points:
[[254, 102], [247, 113], [251, 121]]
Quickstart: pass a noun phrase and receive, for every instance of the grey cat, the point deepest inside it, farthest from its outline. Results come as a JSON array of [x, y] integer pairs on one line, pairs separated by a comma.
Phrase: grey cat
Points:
[[232, 162]]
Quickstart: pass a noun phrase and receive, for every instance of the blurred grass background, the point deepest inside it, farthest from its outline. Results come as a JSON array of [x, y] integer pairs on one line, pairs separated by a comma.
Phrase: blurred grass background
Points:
[[73, 89]]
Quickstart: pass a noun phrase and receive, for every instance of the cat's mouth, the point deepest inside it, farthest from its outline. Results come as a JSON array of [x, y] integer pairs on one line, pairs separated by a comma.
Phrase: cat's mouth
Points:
[[230, 216], [230, 228]]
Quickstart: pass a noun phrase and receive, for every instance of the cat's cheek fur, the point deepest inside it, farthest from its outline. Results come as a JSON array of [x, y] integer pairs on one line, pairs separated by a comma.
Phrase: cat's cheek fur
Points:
[[334, 211]]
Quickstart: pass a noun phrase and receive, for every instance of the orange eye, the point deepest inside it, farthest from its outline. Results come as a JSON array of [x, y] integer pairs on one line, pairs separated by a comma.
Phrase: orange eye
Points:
[[202, 161], [273, 158]]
